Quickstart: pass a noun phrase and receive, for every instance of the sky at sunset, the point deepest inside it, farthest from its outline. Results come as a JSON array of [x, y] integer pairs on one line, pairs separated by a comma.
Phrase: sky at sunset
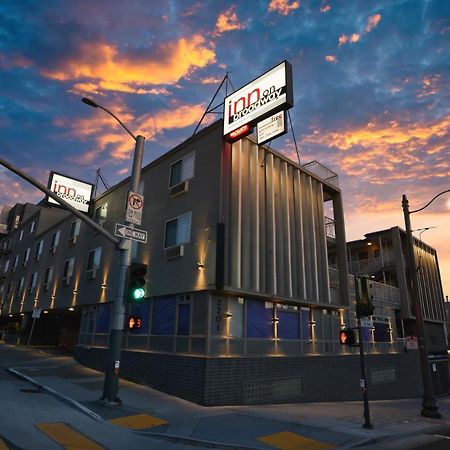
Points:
[[371, 89]]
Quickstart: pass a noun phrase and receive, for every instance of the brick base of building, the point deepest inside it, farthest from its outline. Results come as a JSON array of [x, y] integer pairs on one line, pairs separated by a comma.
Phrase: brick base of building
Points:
[[259, 380]]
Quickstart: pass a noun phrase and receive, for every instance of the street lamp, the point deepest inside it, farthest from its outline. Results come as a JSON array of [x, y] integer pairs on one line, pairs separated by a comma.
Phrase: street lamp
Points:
[[111, 383], [430, 407]]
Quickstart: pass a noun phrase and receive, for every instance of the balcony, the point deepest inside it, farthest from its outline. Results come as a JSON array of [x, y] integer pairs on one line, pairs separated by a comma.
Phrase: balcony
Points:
[[371, 265]]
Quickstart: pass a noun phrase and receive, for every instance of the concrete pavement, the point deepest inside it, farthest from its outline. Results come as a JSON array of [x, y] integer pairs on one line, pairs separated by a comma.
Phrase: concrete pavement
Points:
[[288, 426]]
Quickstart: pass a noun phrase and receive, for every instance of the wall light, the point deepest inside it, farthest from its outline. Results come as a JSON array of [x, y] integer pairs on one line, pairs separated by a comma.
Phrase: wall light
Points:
[[369, 243], [103, 285], [228, 315], [275, 320], [74, 292], [71, 308], [200, 265], [45, 312], [312, 322]]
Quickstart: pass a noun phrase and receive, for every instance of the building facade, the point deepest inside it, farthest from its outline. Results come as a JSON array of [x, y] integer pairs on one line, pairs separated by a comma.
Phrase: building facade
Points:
[[247, 284]]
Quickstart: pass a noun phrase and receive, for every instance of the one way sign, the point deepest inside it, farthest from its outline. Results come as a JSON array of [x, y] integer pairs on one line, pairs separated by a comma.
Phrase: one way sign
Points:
[[130, 233]]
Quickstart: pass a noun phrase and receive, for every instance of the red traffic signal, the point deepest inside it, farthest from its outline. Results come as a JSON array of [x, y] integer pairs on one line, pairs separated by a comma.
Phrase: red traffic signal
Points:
[[134, 322], [347, 337]]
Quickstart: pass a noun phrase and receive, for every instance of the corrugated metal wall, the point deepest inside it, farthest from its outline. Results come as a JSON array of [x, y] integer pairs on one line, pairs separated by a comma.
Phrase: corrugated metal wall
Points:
[[275, 226]]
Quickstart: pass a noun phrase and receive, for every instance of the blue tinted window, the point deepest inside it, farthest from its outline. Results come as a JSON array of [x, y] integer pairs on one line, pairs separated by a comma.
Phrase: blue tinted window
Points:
[[288, 325], [163, 321], [259, 319], [305, 317], [102, 318], [183, 319]]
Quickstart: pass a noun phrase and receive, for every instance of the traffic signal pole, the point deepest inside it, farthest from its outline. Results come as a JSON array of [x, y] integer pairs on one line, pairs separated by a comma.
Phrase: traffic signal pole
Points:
[[363, 381], [111, 382]]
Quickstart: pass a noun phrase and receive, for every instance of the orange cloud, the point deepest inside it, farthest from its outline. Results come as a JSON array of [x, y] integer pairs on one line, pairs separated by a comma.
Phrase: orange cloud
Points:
[[350, 38], [111, 138], [283, 7], [228, 21], [102, 86], [211, 80], [429, 85], [104, 65], [372, 22], [331, 58]]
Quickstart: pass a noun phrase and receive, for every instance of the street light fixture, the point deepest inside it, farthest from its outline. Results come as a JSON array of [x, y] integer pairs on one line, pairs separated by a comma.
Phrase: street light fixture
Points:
[[430, 407], [111, 383]]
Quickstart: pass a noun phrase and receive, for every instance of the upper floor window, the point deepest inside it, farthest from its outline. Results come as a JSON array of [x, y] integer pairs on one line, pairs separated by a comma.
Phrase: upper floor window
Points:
[[178, 231], [100, 213], [55, 241], [68, 269], [26, 257], [21, 235], [33, 226], [39, 247], [21, 284], [93, 262], [48, 278], [182, 170], [5, 269], [74, 231], [15, 261], [33, 281]]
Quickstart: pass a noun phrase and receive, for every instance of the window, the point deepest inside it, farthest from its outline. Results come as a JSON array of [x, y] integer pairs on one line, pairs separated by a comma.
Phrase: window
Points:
[[39, 247], [93, 262], [15, 261], [288, 322], [178, 231], [182, 170], [305, 322], [21, 283], [33, 226], [6, 266], [68, 269], [21, 235], [55, 241], [259, 319], [48, 278], [74, 231], [10, 288], [26, 257], [163, 322], [184, 309], [33, 281], [100, 213]]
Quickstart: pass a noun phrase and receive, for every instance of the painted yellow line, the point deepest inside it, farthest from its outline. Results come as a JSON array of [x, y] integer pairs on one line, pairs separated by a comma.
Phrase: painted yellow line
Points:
[[293, 441], [3, 446], [139, 421], [68, 437]]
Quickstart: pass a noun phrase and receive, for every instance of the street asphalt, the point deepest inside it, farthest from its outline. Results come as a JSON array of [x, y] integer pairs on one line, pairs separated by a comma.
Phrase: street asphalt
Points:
[[145, 411]]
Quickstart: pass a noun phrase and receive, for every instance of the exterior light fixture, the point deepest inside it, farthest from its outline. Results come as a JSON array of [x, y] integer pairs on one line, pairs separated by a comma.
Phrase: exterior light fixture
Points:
[[103, 285], [74, 292], [200, 265], [312, 322], [10, 315], [71, 308], [275, 320], [369, 243], [228, 316], [45, 312]]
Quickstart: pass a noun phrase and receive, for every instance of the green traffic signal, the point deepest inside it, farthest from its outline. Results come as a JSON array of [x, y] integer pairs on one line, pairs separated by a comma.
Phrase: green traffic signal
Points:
[[136, 282]]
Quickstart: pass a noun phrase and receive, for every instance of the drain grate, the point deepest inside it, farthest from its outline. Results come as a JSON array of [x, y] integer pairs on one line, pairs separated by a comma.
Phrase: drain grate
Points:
[[32, 391]]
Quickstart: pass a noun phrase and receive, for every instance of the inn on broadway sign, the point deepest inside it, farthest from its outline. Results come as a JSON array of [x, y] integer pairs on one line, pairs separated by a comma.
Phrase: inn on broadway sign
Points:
[[268, 94], [75, 192]]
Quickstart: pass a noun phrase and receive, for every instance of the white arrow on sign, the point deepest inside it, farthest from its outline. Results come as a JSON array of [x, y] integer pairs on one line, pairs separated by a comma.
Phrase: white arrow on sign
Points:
[[130, 233]]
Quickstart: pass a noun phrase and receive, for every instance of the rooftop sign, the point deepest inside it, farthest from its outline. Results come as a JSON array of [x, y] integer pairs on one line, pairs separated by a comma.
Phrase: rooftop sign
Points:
[[75, 192], [268, 94]]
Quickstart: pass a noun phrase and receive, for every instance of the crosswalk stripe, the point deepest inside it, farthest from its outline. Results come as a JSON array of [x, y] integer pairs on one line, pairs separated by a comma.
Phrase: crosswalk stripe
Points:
[[139, 421], [293, 441], [67, 437], [3, 446]]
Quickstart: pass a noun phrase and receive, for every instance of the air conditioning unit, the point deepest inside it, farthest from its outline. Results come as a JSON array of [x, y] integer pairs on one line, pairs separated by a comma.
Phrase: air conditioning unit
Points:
[[73, 240], [91, 274], [175, 252], [179, 188]]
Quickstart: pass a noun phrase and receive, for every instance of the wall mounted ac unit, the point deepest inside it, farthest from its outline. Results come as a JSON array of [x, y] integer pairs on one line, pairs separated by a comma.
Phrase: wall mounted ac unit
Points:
[[175, 252]]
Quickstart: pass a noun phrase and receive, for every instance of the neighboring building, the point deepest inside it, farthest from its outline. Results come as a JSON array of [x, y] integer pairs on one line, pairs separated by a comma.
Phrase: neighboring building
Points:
[[381, 257], [244, 302]]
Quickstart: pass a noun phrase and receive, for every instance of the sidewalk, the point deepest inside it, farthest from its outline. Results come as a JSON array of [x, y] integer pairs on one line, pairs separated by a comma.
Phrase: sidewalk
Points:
[[313, 425]]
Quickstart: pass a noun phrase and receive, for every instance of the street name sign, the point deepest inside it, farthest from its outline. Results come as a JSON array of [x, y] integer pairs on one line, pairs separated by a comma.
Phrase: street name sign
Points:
[[36, 313], [135, 205], [130, 233]]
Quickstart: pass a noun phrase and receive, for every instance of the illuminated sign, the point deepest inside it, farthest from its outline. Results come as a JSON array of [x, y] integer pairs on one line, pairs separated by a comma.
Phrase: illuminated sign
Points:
[[134, 322], [239, 133], [75, 192], [271, 128], [268, 94]]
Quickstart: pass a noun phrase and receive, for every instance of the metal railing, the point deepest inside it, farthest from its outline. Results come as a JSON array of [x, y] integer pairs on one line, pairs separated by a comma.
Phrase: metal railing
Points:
[[324, 173]]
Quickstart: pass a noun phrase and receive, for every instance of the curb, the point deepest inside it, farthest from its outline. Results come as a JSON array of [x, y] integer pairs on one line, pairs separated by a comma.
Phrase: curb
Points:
[[70, 401]]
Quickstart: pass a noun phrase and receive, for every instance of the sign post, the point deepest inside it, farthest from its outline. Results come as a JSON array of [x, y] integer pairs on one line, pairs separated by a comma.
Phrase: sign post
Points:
[[36, 314]]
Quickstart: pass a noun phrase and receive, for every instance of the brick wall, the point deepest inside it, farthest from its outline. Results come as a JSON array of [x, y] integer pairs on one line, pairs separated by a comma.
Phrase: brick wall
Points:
[[258, 380]]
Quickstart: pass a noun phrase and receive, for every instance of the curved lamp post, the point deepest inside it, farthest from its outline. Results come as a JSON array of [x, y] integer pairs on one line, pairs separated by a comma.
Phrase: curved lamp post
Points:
[[430, 407], [111, 383]]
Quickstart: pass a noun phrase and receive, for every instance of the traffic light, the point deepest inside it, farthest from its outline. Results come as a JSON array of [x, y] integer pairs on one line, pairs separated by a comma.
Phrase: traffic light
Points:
[[347, 337], [136, 282], [364, 305]]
